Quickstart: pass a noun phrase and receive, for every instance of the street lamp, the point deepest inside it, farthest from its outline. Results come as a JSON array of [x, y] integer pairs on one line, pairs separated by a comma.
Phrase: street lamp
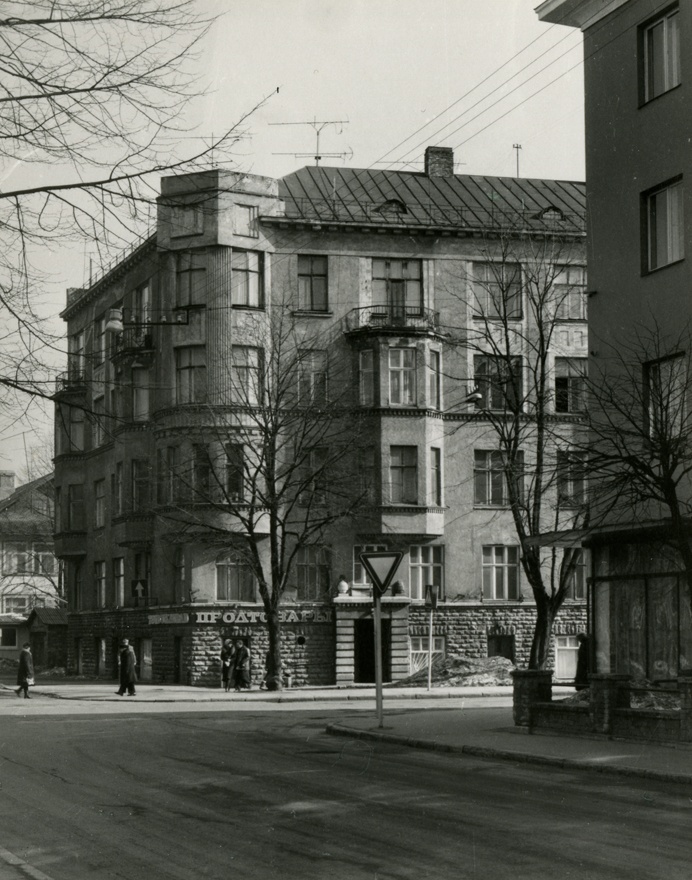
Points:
[[431, 594]]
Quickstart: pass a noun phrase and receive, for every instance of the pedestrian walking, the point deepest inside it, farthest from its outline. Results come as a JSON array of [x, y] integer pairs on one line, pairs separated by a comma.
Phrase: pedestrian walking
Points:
[[227, 662], [241, 666], [581, 678], [25, 671], [128, 672]]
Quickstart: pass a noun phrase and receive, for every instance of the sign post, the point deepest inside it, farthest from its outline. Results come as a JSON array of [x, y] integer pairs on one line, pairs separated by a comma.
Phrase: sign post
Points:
[[431, 591], [381, 566]]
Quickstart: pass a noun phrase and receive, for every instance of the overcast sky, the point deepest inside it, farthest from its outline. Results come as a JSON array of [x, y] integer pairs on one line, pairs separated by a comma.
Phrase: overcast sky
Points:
[[397, 75]]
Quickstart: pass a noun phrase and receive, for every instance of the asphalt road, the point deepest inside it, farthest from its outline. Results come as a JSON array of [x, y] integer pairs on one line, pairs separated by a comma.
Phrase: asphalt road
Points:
[[270, 795]]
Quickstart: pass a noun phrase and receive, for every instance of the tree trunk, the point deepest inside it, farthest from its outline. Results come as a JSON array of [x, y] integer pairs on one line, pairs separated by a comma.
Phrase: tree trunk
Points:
[[274, 664], [545, 618]]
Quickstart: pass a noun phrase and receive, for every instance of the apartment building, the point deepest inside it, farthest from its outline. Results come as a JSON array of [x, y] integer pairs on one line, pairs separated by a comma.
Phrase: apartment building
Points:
[[385, 282], [638, 167]]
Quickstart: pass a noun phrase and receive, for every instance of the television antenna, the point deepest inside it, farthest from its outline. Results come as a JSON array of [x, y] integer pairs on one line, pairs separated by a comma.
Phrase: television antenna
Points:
[[318, 126]]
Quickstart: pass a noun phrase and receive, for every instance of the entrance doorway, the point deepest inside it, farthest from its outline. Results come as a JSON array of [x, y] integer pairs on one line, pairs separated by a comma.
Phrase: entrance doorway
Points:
[[144, 655], [364, 650]]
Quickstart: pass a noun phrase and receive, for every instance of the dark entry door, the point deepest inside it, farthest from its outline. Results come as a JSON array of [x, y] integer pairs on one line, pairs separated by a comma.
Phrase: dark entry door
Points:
[[364, 650]]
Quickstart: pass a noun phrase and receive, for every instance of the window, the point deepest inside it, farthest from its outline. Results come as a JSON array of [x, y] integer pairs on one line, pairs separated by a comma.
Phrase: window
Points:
[[366, 475], [191, 374], [140, 484], [426, 566], [403, 474], [419, 649], [499, 380], [664, 225], [8, 636], [576, 585], [665, 384], [179, 578], [117, 488], [246, 376], [312, 283], [201, 472], [58, 509], [500, 572], [436, 476], [571, 478], [43, 559], [186, 220], [661, 55], [402, 376], [312, 573], [191, 280], [490, 478], [100, 583], [76, 571], [76, 428], [99, 352], [313, 477], [245, 220], [141, 303], [17, 558], [569, 289], [312, 378], [99, 504], [167, 474], [234, 579], [235, 472], [397, 287], [140, 395], [75, 507], [501, 645], [435, 381], [366, 377], [497, 290], [566, 649], [246, 279], [99, 421], [75, 356], [16, 605], [119, 580], [570, 385], [360, 575]]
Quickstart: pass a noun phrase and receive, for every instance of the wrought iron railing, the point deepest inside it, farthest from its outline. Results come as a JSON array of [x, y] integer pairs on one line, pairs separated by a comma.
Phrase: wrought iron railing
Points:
[[391, 317], [70, 380]]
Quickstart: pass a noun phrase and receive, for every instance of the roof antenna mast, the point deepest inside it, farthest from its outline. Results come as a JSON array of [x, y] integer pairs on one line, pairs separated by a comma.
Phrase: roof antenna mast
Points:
[[318, 125], [517, 147]]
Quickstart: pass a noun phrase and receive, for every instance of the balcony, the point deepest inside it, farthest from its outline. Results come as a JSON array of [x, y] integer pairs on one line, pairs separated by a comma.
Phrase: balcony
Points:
[[72, 543], [71, 382], [391, 319], [134, 342]]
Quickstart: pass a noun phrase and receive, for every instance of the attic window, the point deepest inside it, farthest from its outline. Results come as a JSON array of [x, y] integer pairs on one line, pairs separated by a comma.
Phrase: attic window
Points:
[[551, 214], [392, 206]]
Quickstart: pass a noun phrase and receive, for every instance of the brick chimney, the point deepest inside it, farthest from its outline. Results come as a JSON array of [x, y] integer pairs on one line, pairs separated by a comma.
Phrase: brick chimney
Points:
[[6, 484], [439, 161]]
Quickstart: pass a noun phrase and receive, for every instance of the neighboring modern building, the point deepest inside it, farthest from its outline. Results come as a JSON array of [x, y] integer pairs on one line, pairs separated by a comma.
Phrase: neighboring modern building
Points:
[[638, 70], [381, 273]]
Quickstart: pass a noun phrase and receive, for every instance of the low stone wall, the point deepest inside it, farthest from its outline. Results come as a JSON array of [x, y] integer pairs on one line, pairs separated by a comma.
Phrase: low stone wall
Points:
[[606, 714]]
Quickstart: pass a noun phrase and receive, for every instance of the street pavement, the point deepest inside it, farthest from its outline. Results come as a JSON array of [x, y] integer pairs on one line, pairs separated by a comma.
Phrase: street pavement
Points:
[[463, 720]]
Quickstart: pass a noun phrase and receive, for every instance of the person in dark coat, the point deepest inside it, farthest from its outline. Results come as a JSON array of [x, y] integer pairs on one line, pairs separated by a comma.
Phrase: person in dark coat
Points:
[[128, 673], [227, 663], [25, 671], [581, 678], [241, 666]]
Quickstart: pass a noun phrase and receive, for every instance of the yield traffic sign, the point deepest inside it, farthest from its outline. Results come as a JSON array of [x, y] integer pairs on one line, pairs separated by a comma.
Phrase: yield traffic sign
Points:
[[381, 566]]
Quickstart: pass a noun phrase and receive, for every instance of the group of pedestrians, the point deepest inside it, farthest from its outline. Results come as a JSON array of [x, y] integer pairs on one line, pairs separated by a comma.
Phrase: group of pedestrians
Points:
[[235, 665]]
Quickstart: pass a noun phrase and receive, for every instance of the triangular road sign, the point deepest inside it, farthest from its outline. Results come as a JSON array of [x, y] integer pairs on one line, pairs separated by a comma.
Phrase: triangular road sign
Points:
[[381, 566]]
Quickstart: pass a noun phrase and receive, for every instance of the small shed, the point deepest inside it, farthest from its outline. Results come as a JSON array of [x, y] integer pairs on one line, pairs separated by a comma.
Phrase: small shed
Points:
[[13, 633], [48, 637]]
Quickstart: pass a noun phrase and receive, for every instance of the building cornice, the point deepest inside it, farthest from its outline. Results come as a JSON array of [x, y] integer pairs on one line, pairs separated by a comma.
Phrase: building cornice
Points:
[[577, 13]]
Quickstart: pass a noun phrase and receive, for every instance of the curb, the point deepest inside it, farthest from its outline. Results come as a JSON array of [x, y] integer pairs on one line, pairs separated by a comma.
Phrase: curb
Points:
[[488, 753]]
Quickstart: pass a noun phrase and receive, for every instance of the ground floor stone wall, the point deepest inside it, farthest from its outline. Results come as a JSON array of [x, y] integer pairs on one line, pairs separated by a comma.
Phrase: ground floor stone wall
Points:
[[321, 643], [468, 629]]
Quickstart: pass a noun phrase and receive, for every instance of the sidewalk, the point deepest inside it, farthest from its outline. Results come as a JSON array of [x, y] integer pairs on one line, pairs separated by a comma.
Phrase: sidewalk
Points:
[[462, 720]]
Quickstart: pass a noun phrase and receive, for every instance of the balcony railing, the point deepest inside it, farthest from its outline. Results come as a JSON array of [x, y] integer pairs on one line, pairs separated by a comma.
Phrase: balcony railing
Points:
[[137, 338], [71, 381], [381, 317]]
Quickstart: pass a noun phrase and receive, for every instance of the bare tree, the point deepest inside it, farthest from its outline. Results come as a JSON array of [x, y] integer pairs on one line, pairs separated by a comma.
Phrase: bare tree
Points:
[[517, 298], [641, 435], [92, 101], [274, 465]]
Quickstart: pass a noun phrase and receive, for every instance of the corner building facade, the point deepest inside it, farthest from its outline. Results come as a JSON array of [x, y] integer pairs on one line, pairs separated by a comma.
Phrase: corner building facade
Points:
[[381, 267]]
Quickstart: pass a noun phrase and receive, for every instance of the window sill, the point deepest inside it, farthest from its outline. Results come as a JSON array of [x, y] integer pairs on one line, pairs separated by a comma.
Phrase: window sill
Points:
[[312, 313], [646, 102], [656, 269], [247, 308]]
